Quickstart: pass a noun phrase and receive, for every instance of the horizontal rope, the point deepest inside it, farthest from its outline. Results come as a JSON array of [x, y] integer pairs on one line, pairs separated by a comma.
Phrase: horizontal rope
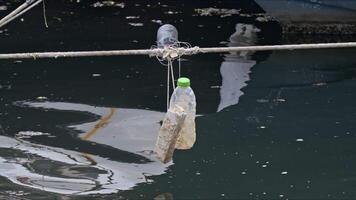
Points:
[[173, 52]]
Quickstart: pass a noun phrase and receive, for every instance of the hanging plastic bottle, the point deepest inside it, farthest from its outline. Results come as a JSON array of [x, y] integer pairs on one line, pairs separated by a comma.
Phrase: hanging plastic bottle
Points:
[[183, 96], [166, 35]]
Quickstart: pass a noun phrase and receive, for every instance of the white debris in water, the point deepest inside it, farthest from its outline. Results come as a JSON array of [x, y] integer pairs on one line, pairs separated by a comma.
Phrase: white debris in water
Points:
[[16, 193], [279, 100], [222, 12], [262, 100], [319, 84], [41, 98], [2, 8], [156, 21], [243, 173], [171, 12], [299, 140], [245, 15], [264, 166], [132, 17], [263, 19], [101, 4], [96, 75], [29, 134], [224, 42], [263, 127], [5, 87], [284, 173], [136, 24]]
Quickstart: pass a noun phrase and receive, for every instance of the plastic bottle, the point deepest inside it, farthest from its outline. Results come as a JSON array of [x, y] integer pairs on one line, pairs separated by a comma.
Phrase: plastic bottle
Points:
[[184, 97], [166, 35]]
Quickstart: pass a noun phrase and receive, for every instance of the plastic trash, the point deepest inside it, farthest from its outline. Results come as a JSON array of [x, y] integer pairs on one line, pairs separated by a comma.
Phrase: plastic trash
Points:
[[183, 96], [169, 133], [167, 35]]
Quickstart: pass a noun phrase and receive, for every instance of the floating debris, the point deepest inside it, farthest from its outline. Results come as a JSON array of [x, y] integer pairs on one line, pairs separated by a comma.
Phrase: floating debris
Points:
[[40, 98], [5, 87], [3, 8], [319, 84], [262, 100], [132, 17], [171, 12], [284, 173], [29, 134], [279, 100], [136, 24], [299, 140], [101, 4], [156, 21], [264, 18], [222, 12], [96, 75]]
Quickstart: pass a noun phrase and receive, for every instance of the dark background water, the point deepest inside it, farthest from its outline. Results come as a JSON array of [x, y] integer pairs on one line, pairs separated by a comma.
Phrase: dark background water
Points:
[[292, 95]]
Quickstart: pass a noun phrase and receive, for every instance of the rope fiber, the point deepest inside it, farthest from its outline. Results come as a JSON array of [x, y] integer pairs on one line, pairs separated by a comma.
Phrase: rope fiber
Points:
[[23, 8], [172, 52]]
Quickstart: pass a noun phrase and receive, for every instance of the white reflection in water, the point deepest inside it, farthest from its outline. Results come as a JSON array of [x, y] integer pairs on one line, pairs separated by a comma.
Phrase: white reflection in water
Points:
[[131, 130], [236, 66]]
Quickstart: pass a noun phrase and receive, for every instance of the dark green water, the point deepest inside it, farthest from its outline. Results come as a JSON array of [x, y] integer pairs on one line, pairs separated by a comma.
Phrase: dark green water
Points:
[[290, 136]]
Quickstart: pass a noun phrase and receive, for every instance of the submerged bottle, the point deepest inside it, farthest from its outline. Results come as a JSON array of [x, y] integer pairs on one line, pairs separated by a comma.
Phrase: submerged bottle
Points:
[[183, 96]]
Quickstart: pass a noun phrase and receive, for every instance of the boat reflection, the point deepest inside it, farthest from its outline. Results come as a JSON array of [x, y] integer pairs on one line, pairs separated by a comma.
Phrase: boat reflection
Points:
[[237, 66], [72, 172]]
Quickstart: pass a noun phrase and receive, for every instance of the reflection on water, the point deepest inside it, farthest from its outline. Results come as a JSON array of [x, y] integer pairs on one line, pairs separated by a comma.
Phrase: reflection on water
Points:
[[131, 131], [236, 66], [70, 172]]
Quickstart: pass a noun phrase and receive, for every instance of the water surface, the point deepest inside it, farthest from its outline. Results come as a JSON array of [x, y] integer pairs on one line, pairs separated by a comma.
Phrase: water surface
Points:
[[271, 124]]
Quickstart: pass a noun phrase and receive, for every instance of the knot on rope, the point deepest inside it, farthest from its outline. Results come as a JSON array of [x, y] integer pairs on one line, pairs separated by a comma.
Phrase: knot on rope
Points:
[[173, 51]]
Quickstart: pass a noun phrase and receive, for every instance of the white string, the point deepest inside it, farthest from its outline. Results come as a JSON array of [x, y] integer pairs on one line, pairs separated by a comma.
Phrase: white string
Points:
[[170, 65], [44, 13], [168, 93], [179, 67], [170, 72]]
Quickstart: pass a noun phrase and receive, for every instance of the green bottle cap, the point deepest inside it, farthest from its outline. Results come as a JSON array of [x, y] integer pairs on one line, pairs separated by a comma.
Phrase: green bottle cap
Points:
[[183, 82]]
